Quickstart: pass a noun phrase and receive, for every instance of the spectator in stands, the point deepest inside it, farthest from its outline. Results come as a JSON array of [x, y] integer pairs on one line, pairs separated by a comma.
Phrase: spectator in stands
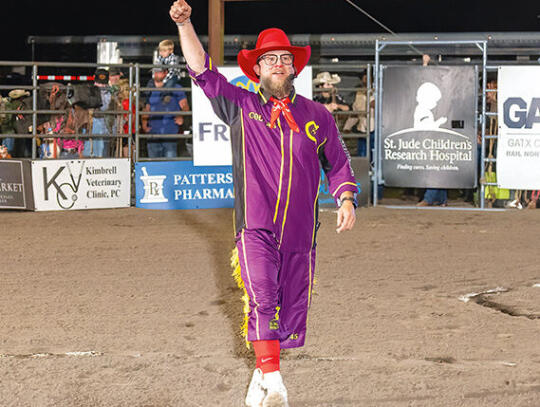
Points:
[[161, 101], [491, 96], [534, 200], [332, 100], [166, 56], [362, 125], [101, 123], [434, 197], [51, 147], [121, 90], [114, 76], [70, 147], [7, 125], [4, 153], [123, 123], [18, 99]]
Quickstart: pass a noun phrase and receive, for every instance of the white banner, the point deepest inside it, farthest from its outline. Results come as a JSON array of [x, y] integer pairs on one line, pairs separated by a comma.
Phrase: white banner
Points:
[[81, 184], [211, 137], [518, 144]]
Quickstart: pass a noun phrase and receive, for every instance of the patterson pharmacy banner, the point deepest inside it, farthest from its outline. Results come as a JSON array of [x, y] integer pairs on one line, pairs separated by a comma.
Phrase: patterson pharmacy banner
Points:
[[81, 184], [428, 135], [181, 185], [518, 144], [211, 137]]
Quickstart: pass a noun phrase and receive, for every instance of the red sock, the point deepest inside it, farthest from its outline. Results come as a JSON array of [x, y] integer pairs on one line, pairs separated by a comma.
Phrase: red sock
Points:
[[267, 354]]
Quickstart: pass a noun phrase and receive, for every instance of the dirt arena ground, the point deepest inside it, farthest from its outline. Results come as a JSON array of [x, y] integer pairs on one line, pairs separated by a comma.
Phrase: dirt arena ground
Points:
[[134, 307]]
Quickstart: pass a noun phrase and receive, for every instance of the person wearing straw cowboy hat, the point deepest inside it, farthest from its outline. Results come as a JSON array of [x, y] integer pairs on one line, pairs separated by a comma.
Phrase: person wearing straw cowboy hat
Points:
[[277, 138], [7, 120], [328, 96], [18, 93]]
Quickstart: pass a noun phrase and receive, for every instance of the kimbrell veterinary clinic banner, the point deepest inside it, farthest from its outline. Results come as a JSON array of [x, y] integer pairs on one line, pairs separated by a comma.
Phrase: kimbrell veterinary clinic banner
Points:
[[428, 137]]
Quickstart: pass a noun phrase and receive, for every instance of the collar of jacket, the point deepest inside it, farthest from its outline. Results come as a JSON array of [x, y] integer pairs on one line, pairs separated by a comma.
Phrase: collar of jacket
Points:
[[264, 96]]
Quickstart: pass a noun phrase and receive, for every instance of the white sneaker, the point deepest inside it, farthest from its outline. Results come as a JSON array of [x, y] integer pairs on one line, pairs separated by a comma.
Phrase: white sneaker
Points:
[[276, 393], [255, 394], [515, 204]]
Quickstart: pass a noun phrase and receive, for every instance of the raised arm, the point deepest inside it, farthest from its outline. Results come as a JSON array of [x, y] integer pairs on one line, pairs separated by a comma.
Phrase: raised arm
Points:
[[224, 97], [192, 49]]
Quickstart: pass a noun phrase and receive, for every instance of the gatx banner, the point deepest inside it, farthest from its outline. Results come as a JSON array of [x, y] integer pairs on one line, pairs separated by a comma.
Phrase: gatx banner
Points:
[[518, 143], [16, 185], [181, 185], [81, 184], [428, 135], [211, 137]]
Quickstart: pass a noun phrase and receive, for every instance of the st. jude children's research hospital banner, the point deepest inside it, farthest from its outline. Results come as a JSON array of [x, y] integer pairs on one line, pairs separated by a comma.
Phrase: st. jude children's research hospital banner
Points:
[[429, 127], [518, 143]]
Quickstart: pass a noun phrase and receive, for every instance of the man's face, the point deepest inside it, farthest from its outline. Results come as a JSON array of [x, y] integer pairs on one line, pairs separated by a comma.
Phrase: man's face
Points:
[[159, 76], [113, 79], [364, 80], [276, 77]]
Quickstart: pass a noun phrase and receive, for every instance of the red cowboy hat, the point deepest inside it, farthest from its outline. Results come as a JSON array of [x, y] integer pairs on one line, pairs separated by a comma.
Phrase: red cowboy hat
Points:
[[269, 40]]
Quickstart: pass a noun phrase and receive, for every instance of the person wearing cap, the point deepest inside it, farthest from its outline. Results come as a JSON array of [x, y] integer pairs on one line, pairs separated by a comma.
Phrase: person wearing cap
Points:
[[114, 76], [7, 120], [163, 101], [278, 138], [102, 124], [18, 99]]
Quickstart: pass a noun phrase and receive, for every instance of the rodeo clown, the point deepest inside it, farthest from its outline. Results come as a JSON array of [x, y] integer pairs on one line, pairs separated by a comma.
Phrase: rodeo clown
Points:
[[278, 139]]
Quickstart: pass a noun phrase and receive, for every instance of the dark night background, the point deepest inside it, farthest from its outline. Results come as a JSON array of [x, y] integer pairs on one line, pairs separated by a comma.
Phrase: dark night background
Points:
[[22, 18]]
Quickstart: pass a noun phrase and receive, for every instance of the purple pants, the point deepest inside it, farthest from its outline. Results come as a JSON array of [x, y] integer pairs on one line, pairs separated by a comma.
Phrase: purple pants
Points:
[[279, 286]]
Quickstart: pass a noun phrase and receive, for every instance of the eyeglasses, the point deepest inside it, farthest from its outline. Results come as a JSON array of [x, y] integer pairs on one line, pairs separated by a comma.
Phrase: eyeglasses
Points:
[[271, 59]]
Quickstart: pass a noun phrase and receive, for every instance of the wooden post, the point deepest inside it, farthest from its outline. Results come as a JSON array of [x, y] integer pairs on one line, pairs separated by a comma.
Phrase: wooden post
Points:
[[216, 28]]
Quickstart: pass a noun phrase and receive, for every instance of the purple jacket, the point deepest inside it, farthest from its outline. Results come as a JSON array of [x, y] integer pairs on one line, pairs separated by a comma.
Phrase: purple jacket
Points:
[[276, 171]]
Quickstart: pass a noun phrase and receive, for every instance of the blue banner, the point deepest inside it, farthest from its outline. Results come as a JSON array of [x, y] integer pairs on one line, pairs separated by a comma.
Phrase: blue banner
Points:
[[181, 185], [360, 166]]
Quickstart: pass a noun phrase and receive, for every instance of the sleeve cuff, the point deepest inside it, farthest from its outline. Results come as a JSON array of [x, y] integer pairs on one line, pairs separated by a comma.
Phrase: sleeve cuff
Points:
[[345, 186]]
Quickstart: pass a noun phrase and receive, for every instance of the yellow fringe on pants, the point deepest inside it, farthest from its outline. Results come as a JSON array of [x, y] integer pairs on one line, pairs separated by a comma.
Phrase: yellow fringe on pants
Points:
[[235, 264]]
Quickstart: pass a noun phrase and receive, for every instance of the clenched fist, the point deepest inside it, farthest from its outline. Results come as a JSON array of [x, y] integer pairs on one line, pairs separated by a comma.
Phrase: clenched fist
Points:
[[180, 11]]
